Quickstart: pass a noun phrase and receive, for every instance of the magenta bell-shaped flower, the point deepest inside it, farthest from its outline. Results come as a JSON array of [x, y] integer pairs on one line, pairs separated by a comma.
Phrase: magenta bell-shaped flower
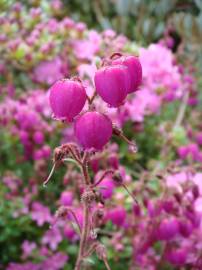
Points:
[[112, 84], [93, 130], [176, 256], [168, 229], [185, 228], [134, 69], [67, 98], [66, 198], [117, 216], [106, 188]]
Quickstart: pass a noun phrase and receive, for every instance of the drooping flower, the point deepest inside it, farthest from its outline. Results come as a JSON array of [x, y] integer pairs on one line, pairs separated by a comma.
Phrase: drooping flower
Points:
[[67, 98], [93, 130]]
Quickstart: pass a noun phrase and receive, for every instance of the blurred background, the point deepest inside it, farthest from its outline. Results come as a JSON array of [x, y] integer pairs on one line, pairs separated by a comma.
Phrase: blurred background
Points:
[[43, 41]]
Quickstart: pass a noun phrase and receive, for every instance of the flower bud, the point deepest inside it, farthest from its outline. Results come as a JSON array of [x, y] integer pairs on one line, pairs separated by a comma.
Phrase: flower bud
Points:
[[168, 229], [176, 256], [106, 188], [134, 70], [67, 99], [117, 216], [93, 130], [66, 198], [38, 137], [185, 227], [112, 84]]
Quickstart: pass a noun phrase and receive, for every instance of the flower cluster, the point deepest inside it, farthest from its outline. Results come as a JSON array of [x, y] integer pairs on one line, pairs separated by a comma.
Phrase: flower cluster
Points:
[[27, 120], [113, 82]]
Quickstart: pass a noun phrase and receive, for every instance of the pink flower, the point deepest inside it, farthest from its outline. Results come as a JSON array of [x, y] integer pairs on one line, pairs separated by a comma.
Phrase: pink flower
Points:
[[52, 238], [134, 69], [117, 216], [49, 71], [40, 214], [67, 98], [66, 198], [106, 187], [112, 84], [199, 138], [27, 248], [93, 130], [38, 137], [70, 233], [176, 256], [55, 262], [183, 151], [175, 180], [167, 229], [91, 45]]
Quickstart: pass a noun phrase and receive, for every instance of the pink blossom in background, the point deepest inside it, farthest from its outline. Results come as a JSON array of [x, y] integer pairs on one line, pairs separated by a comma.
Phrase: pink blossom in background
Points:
[[70, 233], [106, 187], [52, 238], [66, 198], [87, 48], [159, 69], [40, 213], [27, 248], [176, 180], [53, 262], [50, 71], [117, 216], [23, 266]]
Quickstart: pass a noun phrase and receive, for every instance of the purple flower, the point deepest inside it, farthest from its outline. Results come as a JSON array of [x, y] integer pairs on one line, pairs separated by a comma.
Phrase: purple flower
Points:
[[176, 257], [66, 198], [27, 248], [91, 45], [52, 238], [55, 262], [134, 69], [70, 233], [112, 84], [106, 187], [38, 137], [40, 213], [117, 216], [185, 227], [167, 229], [49, 71], [93, 130], [67, 98]]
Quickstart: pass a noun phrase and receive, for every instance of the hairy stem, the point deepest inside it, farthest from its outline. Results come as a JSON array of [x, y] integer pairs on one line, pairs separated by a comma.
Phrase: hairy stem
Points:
[[84, 237], [182, 110], [91, 250], [84, 168], [106, 264], [86, 223]]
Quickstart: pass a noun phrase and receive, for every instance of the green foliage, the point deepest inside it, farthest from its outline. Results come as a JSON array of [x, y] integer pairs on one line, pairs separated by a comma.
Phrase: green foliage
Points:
[[13, 229]]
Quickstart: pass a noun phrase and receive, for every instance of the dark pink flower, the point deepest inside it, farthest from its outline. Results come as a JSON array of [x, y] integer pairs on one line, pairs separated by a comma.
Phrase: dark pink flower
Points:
[[112, 83], [134, 69], [67, 98], [93, 130], [176, 256], [167, 229], [66, 198], [117, 216]]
